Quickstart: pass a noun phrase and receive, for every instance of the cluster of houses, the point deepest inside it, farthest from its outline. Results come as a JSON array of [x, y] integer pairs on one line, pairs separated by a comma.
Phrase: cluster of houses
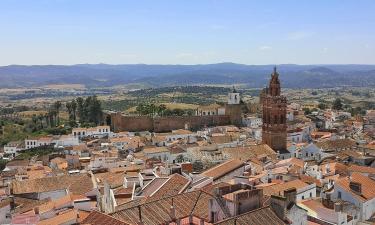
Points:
[[217, 175]]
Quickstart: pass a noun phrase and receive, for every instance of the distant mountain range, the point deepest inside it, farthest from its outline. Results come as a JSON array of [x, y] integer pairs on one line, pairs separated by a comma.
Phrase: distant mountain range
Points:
[[97, 75]]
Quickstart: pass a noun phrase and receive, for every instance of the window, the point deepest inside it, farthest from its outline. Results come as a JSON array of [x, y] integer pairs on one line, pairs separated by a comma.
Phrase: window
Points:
[[307, 154], [303, 197], [310, 195], [339, 195]]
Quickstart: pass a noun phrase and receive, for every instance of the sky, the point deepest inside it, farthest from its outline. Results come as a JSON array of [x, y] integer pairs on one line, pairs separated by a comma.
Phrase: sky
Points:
[[187, 31]]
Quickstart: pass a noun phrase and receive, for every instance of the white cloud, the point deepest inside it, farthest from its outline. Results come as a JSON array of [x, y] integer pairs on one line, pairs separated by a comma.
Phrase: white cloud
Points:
[[298, 35], [265, 48]]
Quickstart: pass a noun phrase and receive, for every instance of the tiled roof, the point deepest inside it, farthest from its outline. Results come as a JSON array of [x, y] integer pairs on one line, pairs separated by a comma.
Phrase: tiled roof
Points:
[[310, 180], [248, 152], [155, 150], [336, 144], [368, 184], [158, 211], [291, 161], [152, 186], [113, 179], [76, 184], [361, 169], [319, 210], [98, 218], [221, 139], [25, 204], [261, 216], [174, 185], [62, 218], [278, 189], [223, 168], [18, 163]]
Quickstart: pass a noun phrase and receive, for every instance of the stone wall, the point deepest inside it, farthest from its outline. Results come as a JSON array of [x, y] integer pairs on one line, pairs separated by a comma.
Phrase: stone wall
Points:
[[120, 122]]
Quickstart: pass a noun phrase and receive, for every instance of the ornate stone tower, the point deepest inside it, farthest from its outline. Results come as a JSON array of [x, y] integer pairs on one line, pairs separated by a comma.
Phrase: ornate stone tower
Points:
[[274, 130]]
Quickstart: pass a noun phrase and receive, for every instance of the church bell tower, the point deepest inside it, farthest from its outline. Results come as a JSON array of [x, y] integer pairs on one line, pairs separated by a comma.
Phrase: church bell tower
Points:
[[274, 130]]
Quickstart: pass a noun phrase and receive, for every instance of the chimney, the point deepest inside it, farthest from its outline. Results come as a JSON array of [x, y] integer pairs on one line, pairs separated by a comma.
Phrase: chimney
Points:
[[290, 195], [172, 212], [140, 215], [338, 207], [278, 206], [355, 187]]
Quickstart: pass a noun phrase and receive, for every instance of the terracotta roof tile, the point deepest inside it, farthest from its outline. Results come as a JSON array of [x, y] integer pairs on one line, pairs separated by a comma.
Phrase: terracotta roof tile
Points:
[[361, 169], [223, 168], [261, 216], [63, 218], [76, 184], [158, 211], [98, 218], [174, 185], [278, 189], [368, 184]]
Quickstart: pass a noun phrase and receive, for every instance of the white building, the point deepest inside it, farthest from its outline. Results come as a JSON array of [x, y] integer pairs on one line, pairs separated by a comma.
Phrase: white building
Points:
[[56, 141], [66, 140], [252, 121], [295, 136], [37, 142], [358, 190], [99, 131], [13, 147], [161, 153]]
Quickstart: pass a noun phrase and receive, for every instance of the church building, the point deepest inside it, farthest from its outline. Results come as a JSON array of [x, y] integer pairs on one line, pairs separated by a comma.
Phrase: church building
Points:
[[274, 130]]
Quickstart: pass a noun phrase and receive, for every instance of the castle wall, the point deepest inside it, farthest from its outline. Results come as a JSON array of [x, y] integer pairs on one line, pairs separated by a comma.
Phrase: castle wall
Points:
[[131, 123], [164, 124]]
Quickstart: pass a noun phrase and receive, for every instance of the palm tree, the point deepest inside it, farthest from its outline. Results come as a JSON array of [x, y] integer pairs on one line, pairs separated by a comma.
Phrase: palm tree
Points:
[[40, 119], [161, 109], [74, 109], [46, 117], [57, 107], [68, 106]]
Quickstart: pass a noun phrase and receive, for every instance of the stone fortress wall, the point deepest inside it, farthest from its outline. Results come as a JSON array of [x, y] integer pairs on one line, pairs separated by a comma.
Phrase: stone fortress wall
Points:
[[120, 122]]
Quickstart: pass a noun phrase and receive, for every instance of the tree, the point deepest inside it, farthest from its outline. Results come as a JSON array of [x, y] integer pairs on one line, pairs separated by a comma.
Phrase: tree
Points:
[[80, 109], [322, 106], [3, 163], [337, 104], [161, 109], [74, 109], [198, 166], [40, 119], [307, 111], [57, 107], [180, 158]]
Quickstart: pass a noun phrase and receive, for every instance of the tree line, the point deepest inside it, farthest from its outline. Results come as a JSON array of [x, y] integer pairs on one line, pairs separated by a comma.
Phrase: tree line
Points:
[[151, 109], [88, 111]]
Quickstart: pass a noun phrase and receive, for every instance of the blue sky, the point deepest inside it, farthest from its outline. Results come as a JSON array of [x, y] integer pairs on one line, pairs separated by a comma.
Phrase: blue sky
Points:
[[187, 31]]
